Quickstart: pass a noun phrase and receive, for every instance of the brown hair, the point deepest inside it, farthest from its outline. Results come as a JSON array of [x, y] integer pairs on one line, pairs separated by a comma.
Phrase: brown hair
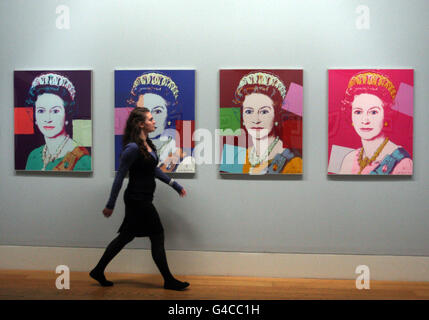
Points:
[[132, 130]]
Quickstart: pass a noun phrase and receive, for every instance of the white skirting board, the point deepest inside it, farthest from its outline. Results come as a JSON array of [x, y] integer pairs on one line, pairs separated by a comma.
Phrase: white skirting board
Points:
[[276, 265]]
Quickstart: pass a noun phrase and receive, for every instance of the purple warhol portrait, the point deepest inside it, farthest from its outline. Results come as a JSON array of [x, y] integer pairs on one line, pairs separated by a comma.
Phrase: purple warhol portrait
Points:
[[53, 128]]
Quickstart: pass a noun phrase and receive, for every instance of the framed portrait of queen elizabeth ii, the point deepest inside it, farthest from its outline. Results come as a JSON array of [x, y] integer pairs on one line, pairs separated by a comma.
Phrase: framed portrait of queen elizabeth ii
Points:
[[170, 97], [371, 122], [261, 121], [53, 126]]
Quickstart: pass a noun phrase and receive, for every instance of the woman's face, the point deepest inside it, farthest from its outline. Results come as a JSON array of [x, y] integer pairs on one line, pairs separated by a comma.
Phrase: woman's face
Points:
[[50, 115], [258, 115], [367, 115], [158, 108], [149, 124]]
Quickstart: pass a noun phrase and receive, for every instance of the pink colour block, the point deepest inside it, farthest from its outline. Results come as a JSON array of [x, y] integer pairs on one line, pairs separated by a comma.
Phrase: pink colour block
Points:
[[293, 99], [404, 99], [121, 116]]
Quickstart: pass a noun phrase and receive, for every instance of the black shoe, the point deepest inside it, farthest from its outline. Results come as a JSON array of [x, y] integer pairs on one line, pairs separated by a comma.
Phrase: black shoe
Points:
[[100, 278], [175, 285]]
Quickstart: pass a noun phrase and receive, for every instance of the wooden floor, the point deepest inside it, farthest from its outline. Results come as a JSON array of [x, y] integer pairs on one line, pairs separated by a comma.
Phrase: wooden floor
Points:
[[40, 285]]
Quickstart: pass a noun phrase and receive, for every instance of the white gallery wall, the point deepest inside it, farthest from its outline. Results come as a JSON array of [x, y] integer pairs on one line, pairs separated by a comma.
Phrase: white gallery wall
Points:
[[308, 214]]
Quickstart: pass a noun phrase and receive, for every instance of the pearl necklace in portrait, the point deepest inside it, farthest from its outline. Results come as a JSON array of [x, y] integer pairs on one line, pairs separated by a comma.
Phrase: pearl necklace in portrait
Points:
[[256, 160], [50, 157]]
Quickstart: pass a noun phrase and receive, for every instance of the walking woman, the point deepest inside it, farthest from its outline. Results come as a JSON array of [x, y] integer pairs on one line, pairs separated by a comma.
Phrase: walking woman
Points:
[[141, 218]]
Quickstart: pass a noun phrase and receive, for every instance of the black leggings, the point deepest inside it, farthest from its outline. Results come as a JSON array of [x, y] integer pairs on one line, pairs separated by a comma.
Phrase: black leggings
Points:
[[157, 250]]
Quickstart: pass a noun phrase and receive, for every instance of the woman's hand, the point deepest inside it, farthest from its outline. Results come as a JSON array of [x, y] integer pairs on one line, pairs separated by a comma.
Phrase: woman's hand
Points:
[[183, 193], [107, 212]]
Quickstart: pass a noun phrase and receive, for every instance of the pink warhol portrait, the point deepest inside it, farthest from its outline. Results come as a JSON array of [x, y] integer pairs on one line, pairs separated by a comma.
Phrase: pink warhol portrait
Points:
[[371, 122]]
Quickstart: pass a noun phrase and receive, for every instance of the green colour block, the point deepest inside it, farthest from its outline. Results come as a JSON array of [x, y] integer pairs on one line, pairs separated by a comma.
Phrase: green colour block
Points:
[[230, 119], [82, 132]]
